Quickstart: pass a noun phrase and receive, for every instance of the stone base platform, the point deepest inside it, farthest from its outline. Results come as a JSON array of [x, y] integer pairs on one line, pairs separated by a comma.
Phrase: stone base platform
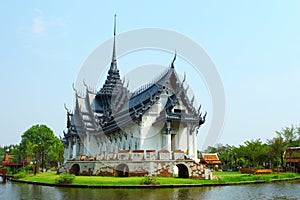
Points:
[[137, 163]]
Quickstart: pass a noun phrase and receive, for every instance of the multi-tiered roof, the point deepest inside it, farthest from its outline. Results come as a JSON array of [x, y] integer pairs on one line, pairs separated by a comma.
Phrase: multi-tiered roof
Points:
[[114, 107]]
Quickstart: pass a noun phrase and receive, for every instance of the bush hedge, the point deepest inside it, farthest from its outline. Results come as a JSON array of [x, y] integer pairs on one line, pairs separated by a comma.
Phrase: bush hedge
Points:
[[20, 174], [65, 179], [149, 180]]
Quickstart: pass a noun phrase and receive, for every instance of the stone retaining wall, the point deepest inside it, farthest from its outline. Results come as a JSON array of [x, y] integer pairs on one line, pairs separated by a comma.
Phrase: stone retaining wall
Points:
[[138, 163]]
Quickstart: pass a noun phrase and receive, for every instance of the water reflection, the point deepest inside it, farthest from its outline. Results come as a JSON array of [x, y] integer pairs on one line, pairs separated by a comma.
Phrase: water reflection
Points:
[[287, 190]]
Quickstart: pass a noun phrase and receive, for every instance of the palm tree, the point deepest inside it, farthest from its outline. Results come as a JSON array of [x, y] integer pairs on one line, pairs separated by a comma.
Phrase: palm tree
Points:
[[277, 147]]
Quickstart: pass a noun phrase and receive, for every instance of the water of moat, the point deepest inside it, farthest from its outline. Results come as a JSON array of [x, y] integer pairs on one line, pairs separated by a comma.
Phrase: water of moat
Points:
[[282, 190]]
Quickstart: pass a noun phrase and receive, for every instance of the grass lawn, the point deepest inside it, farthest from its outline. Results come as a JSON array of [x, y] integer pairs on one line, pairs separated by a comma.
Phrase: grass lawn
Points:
[[222, 177], [238, 177]]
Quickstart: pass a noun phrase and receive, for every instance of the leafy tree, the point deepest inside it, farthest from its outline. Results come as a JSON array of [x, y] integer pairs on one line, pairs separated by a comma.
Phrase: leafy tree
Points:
[[225, 155], [241, 162], [16, 152], [56, 153], [277, 148], [252, 151], [2, 152], [289, 134], [41, 145], [210, 149]]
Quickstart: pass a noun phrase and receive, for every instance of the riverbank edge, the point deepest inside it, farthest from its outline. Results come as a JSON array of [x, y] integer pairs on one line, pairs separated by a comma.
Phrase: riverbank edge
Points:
[[153, 186]]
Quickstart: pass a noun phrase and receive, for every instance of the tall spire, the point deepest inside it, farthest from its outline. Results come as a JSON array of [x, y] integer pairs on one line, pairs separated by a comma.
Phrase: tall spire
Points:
[[113, 81], [113, 66]]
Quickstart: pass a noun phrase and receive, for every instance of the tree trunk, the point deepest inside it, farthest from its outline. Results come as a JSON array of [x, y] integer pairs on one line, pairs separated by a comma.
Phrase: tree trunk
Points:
[[281, 157], [43, 161], [36, 163]]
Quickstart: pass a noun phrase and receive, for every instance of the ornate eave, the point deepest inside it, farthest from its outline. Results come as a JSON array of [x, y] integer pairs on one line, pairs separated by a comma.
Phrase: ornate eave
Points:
[[114, 107]]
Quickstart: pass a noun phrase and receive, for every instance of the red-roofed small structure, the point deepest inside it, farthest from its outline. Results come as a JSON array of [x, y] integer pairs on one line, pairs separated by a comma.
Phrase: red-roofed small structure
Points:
[[211, 160], [8, 161]]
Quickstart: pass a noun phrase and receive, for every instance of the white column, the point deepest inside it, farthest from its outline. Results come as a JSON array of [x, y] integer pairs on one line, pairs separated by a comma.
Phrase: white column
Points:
[[107, 149], [168, 137], [69, 149], [77, 147], [189, 142], [168, 142], [100, 148], [104, 146], [85, 142], [192, 145], [65, 154], [74, 150], [187, 139], [132, 143], [195, 145]]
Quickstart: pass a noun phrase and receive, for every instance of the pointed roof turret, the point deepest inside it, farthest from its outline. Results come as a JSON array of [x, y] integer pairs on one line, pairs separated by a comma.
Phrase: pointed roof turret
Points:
[[113, 77], [113, 65], [113, 83]]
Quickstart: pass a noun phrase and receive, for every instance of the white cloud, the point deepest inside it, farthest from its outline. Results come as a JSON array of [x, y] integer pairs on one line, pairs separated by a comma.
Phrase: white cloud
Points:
[[43, 26], [41, 33], [39, 26]]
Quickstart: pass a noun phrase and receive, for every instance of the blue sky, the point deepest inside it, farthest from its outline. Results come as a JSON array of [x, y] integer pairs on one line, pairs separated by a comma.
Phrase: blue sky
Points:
[[254, 45]]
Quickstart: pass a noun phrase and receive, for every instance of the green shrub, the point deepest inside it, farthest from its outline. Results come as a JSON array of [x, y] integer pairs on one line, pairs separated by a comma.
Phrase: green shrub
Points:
[[28, 167], [291, 175], [275, 177], [149, 180], [20, 174], [65, 179]]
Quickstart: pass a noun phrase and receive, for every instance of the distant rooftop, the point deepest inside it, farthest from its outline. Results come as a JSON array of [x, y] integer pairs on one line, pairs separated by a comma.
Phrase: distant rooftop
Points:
[[210, 158]]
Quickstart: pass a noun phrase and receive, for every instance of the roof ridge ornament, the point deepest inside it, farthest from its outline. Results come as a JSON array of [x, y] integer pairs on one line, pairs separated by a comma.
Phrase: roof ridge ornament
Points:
[[184, 77], [199, 108], [172, 64], [123, 81], [76, 92], [193, 99], [84, 83], [68, 110]]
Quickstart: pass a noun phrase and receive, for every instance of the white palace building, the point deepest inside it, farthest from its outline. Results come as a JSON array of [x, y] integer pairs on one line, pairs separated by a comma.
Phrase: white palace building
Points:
[[159, 116]]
